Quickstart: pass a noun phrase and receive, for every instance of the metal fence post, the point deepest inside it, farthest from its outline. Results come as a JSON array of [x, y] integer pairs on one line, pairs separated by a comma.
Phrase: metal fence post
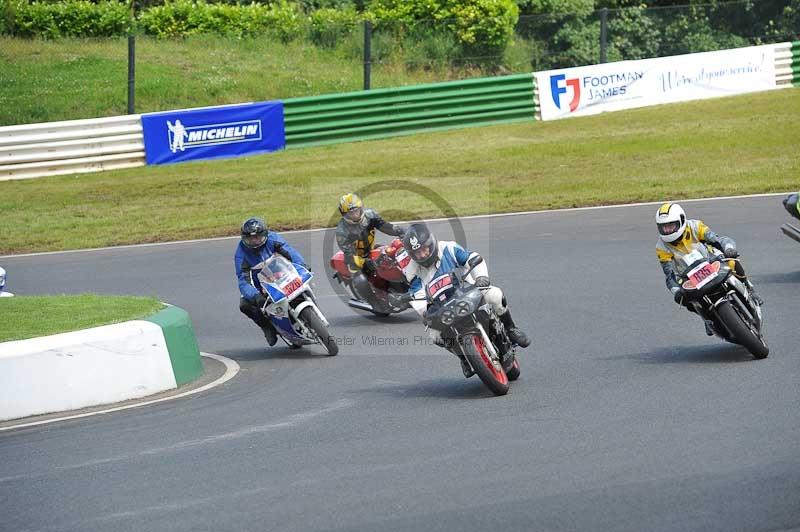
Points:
[[367, 54], [131, 73], [604, 35]]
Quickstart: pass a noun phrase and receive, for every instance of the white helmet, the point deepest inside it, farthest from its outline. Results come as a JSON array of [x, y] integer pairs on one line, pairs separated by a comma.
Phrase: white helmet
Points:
[[671, 222], [2, 279]]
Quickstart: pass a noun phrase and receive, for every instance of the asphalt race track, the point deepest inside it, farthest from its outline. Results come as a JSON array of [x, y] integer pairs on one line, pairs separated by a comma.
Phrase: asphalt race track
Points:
[[626, 417]]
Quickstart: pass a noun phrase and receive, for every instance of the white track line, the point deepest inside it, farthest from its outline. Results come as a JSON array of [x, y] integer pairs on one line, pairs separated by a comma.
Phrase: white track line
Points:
[[470, 217], [231, 369]]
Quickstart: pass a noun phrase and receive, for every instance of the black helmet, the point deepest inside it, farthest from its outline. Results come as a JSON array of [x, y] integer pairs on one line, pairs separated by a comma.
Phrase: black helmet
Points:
[[421, 245], [254, 232]]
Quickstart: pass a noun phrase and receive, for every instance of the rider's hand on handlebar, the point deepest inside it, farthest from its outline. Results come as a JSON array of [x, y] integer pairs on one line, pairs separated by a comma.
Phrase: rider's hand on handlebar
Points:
[[678, 295], [482, 281], [731, 252]]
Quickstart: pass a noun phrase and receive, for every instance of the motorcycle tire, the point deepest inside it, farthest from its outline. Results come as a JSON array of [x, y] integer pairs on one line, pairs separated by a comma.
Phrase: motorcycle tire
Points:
[[744, 336], [491, 373], [314, 323]]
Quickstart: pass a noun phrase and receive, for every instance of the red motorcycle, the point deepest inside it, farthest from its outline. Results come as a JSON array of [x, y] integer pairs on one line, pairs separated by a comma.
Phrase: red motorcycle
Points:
[[390, 261]]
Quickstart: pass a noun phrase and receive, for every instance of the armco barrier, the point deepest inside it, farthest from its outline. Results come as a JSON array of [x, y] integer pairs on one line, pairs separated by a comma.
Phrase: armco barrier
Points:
[[76, 146], [787, 63], [400, 111], [71, 147]]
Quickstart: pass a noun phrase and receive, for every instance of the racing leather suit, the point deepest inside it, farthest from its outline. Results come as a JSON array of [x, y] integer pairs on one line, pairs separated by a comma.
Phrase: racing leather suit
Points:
[[356, 241], [451, 257], [246, 259], [696, 236]]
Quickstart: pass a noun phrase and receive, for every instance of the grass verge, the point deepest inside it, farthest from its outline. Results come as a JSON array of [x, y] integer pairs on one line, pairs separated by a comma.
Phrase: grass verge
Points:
[[65, 79], [32, 316], [725, 146]]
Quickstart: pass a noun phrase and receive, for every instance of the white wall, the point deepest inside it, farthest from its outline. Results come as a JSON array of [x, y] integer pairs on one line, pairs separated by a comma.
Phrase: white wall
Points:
[[83, 368]]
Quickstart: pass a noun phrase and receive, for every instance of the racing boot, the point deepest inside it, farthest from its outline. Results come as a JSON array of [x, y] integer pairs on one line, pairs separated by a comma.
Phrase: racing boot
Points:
[[514, 333], [269, 333], [709, 327]]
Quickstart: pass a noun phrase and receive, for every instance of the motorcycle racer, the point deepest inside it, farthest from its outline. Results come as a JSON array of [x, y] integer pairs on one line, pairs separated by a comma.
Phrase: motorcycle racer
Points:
[[679, 236], [256, 245], [431, 258], [355, 235]]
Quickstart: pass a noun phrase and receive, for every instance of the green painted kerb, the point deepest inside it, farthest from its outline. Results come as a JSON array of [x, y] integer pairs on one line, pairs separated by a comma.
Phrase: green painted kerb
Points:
[[181, 343]]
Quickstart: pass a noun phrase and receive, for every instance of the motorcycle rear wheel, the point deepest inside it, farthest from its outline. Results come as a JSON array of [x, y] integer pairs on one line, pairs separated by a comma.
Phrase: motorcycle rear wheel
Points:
[[489, 371], [751, 341], [314, 323]]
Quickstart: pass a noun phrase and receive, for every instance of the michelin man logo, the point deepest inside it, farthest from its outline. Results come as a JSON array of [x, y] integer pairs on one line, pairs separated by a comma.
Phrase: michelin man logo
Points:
[[178, 135]]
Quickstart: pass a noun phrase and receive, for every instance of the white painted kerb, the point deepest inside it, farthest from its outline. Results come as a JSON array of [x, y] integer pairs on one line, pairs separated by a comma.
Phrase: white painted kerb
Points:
[[83, 368]]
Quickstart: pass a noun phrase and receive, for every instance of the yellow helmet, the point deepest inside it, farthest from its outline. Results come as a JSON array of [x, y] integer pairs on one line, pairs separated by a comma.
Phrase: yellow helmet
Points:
[[351, 208]]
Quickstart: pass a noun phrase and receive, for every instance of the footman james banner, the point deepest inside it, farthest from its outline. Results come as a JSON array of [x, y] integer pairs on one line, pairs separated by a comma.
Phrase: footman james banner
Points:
[[213, 132], [628, 84]]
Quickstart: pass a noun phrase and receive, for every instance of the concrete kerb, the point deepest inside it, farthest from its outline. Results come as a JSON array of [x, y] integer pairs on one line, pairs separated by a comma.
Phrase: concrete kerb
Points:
[[98, 366], [230, 368]]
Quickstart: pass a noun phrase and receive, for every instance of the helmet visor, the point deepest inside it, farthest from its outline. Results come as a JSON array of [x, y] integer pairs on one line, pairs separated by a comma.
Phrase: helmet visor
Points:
[[254, 240], [422, 253], [668, 228], [354, 214]]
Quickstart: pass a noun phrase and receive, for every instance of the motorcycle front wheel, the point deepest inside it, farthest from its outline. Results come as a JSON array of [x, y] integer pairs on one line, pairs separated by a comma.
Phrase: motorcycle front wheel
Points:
[[751, 340], [489, 370], [313, 322]]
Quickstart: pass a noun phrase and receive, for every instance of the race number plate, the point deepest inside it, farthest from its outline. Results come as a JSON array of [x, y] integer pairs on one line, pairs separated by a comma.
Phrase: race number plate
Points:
[[402, 259], [702, 275], [439, 285], [289, 288]]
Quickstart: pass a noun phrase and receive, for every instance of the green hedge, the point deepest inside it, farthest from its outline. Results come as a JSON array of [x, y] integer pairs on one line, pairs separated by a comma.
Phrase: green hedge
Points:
[[477, 27], [184, 17], [77, 18], [481, 27]]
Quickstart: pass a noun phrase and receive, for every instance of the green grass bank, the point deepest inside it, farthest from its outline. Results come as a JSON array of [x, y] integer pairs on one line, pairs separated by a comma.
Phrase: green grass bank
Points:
[[66, 79], [725, 146], [32, 316]]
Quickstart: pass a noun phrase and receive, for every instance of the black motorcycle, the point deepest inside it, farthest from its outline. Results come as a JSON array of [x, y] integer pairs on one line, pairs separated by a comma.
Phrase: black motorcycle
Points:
[[718, 296], [471, 330]]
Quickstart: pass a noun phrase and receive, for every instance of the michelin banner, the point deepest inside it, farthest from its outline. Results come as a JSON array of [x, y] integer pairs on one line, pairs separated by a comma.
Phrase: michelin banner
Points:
[[213, 132], [629, 84]]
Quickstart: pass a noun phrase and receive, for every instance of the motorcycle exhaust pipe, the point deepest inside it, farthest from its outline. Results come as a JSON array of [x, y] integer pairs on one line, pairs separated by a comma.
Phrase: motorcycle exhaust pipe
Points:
[[360, 305], [791, 231]]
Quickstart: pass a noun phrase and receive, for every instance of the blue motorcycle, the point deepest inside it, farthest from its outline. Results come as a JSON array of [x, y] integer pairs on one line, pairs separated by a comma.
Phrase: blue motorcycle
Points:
[[291, 306]]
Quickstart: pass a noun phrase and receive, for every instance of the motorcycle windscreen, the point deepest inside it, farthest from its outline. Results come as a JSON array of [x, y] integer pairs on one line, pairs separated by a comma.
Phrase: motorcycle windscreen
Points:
[[441, 288], [279, 277]]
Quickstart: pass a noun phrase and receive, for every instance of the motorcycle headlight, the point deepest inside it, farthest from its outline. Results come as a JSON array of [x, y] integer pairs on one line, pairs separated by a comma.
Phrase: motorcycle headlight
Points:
[[448, 317], [463, 308]]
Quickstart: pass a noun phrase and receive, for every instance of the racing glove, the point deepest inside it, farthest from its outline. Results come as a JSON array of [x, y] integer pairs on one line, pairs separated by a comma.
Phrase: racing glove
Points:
[[677, 293], [730, 252], [399, 300], [482, 281]]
